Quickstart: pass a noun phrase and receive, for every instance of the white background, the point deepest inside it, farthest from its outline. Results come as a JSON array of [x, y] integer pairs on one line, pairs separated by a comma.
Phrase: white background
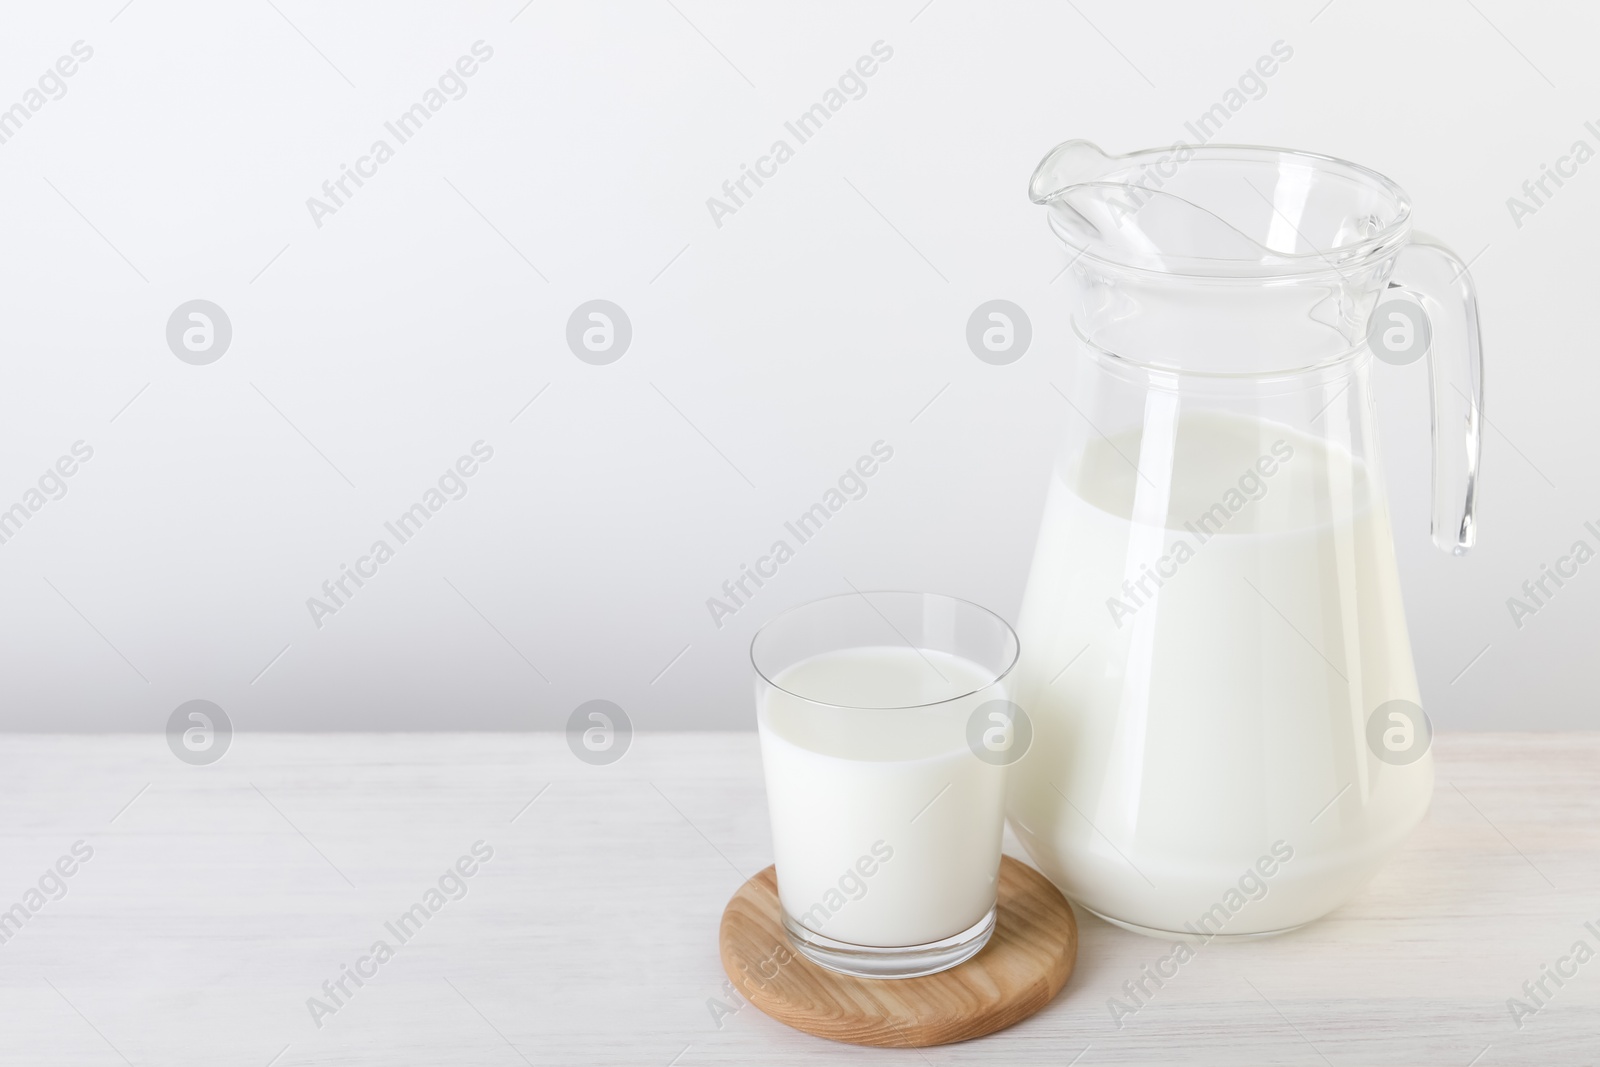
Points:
[[767, 354]]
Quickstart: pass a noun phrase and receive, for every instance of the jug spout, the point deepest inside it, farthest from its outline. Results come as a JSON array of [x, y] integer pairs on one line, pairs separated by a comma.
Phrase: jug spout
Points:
[[1087, 208], [1067, 164]]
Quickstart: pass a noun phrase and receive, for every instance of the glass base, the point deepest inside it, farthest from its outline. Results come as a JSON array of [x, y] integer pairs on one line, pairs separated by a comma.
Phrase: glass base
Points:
[[909, 961], [1186, 935]]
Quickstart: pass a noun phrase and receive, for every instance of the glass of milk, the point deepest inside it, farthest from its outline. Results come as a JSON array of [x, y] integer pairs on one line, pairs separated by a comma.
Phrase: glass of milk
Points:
[[885, 735]]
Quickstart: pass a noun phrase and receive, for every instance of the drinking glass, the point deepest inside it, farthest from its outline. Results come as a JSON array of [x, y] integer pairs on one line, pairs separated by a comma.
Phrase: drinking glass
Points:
[[885, 735]]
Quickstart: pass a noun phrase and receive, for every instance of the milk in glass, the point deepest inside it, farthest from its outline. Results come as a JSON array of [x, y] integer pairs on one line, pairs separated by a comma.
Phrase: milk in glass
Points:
[[885, 825]]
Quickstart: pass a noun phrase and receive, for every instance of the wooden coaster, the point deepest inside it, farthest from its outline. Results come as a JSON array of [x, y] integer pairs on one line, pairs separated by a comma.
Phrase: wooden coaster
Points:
[[1020, 970]]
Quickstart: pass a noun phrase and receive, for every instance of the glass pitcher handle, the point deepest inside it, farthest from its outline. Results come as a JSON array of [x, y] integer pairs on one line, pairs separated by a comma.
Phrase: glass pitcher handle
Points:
[[1428, 270]]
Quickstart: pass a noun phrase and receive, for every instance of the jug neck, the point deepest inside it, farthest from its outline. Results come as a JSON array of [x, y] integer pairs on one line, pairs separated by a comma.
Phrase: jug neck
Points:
[[1224, 326], [1222, 259]]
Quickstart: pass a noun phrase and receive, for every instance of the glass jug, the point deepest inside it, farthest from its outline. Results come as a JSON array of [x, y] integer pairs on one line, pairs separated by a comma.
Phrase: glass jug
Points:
[[1227, 737]]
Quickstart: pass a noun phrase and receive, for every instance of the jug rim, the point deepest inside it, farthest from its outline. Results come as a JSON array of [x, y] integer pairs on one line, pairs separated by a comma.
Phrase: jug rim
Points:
[[1339, 260]]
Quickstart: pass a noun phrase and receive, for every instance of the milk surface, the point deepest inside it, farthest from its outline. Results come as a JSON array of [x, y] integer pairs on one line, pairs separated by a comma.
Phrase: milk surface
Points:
[[885, 827], [1233, 633]]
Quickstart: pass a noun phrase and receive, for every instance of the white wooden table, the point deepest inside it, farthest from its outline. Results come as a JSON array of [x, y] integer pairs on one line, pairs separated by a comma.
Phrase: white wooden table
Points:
[[219, 899]]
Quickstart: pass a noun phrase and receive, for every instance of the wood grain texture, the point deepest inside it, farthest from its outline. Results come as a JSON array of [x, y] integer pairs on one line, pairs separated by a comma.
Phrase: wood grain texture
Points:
[[208, 916], [1026, 962]]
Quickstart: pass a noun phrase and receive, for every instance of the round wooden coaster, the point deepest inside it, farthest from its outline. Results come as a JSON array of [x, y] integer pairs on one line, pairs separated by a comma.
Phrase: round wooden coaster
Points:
[[1019, 971]]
